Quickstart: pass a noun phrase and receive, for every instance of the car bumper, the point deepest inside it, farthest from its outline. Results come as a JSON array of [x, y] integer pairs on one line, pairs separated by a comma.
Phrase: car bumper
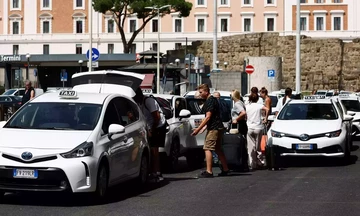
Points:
[[57, 174], [322, 147]]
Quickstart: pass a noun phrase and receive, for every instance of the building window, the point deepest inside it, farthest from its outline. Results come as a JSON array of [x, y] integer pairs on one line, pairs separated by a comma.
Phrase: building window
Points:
[[110, 26], [16, 4], [320, 23], [201, 2], [46, 49], [132, 25], [178, 25], [302, 1], [246, 2], [79, 3], [79, 26], [46, 5], [133, 48], [303, 24], [319, 1], [110, 48], [78, 49], [337, 1], [178, 46], [270, 3], [154, 25], [270, 26], [15, 49], [155, 46], [337, 23], [224, 25], [224, 2], [15, 27], [200, 25], [247, 25], [46, 27]]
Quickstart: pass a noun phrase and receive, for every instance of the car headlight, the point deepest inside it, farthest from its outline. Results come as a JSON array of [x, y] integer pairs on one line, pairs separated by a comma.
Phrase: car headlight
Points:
[[333, 134], [83, 150], [276, 134]]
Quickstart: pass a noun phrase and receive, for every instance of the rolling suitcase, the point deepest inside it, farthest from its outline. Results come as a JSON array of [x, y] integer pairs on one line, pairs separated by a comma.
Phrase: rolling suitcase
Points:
[[235, 149]]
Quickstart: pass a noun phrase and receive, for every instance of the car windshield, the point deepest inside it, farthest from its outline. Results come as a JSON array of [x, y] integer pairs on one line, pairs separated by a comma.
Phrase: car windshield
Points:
[[351, 105], [195, 105], [56, 116], [9, 92], [320, 93], [308, 112], [329, 94]]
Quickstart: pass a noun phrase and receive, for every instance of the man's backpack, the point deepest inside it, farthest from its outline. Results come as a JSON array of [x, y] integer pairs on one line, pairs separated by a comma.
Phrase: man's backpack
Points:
[[225, 112], [165, 106]]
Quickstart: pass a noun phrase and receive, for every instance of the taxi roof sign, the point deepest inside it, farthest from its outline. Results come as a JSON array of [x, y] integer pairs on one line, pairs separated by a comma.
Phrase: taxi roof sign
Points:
[[70, 94], [314, 97]]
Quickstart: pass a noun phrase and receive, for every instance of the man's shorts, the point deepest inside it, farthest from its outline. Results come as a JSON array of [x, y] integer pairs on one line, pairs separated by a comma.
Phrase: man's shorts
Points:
[[213, 140], [158, 136]]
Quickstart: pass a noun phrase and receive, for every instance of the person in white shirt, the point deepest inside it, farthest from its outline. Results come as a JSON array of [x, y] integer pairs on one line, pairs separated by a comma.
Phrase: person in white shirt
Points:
[[282, 101], [156, 123], [255, 128]]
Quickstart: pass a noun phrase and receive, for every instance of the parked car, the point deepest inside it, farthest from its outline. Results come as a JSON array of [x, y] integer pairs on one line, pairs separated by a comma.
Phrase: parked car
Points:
[[21, 91], [10, 102]]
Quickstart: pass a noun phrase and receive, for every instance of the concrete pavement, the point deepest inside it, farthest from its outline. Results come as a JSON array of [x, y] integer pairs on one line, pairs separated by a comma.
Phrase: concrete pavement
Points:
[[307, 187]]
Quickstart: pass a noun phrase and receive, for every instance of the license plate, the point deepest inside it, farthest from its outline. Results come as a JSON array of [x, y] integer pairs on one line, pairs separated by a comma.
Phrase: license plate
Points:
[[25, 173], [198, 122], [304, 146]]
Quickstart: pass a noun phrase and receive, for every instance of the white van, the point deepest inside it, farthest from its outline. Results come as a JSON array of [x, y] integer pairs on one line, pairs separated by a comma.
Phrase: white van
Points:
[[21, 91]]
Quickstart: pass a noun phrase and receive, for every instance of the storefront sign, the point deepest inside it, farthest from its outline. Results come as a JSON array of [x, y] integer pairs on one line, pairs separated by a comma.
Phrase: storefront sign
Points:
[[9, 58]]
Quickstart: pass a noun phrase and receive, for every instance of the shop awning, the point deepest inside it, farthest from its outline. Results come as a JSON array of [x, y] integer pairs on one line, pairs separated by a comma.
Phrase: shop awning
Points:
[[147, 81]]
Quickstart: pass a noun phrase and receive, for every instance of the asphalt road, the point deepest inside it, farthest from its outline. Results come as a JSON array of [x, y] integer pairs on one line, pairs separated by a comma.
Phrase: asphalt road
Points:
[[306, 187]]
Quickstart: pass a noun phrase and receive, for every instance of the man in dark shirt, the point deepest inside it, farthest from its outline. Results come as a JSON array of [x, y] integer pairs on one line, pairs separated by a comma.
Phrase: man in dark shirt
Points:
[[215, 131]]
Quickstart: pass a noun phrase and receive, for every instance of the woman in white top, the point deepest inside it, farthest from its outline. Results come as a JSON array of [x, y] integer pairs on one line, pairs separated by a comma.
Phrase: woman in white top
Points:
[[282, 101], [255, 128], [238, 113]]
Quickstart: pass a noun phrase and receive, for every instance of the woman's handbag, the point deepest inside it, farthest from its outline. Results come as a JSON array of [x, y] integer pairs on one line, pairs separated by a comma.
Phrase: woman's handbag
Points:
[[264, 139], [232, 129]]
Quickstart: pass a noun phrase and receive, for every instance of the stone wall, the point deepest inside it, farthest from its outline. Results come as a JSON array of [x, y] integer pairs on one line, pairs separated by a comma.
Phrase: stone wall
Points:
[[325, 63]]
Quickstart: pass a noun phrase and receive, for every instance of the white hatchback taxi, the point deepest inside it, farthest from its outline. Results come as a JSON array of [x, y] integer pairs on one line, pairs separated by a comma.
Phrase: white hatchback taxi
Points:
[[73, 141], [313, 126], [350, 104]]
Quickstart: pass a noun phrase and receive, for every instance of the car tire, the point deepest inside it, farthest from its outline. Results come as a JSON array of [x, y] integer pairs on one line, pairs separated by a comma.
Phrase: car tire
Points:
[[173, 158], [143, 177], [102, 181], [195, 159]]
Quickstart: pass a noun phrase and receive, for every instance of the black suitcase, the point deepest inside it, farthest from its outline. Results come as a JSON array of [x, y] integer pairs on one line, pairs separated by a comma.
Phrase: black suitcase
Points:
[[273, 158], [235, 149]]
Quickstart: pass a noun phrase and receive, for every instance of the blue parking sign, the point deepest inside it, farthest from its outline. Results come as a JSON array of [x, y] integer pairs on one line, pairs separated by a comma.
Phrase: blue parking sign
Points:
[[63, 76], [271, 73]]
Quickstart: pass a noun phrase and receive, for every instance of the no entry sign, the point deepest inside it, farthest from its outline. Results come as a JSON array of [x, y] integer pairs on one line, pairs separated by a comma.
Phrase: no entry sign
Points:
[[249, 69]]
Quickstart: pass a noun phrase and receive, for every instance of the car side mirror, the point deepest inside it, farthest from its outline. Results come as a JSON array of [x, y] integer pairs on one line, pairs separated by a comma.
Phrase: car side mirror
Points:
[[184, 114], [2, 124], [271, 118], [115, 129], [348, 118], [351, 113]]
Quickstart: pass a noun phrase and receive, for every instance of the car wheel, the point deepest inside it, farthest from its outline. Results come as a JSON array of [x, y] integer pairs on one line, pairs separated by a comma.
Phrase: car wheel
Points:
[[195, 159], [102, 181], [173, 159], [142, 179]]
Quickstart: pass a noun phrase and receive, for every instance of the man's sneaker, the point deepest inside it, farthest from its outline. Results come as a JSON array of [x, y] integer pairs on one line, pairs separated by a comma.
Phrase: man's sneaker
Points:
[[153, 178], [205, 174], [224, 173], [159, 176]]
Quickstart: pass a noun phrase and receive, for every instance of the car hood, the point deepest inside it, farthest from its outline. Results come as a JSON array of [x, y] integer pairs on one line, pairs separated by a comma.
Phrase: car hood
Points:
[[40, 141], [298, 127]]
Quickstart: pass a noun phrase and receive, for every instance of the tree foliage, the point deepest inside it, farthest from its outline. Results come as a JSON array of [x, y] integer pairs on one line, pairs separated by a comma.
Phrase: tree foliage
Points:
[[122, 9]]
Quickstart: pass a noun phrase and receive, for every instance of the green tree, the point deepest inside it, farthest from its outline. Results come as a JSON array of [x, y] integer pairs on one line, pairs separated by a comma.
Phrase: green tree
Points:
[[121, 9]]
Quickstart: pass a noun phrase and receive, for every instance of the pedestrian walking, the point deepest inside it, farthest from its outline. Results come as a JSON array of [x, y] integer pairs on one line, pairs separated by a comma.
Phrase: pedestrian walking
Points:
[[156, 124], [215, 131], [29, 92], [267, 102], [282, 101], [255, 129]]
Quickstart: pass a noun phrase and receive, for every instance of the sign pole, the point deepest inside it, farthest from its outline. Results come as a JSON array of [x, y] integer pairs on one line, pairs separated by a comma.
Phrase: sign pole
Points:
[[90, 35]]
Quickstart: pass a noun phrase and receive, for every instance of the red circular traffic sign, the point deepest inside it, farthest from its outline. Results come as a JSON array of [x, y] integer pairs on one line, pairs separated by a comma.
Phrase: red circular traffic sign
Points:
[[249, 69]]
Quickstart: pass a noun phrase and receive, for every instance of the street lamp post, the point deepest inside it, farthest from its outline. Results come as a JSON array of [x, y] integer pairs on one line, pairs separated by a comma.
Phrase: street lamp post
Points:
[[158, 46], [28, 65], [80, 63], [215, 34], [298, 51]]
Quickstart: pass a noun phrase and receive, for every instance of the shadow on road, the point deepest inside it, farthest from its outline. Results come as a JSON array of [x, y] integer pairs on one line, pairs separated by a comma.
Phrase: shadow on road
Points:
[[317, 162]]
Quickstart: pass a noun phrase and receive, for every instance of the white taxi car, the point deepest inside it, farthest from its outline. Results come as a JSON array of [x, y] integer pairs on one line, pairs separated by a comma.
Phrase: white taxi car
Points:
[[178, 141], [350, 105], [196, 156], [313, 126], [73, 141]]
